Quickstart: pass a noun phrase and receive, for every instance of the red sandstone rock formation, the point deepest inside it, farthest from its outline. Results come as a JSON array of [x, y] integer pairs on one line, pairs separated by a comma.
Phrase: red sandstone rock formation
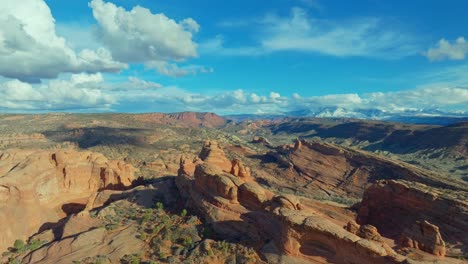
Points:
[[187, 166], [199, 119], [320, 240], [369, 232], [184, 119], [261, 140], [340, 171], [238, 169], [213, 154], [38, 187], [352, 227], [240, 209], [425, 236], [395, 206]]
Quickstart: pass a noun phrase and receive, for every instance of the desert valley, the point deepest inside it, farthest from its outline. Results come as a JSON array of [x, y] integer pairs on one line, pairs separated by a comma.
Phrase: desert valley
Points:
[[233, 132], [201, 188]]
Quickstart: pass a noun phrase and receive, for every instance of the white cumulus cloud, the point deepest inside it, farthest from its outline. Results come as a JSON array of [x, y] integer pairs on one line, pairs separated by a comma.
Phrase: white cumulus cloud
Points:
[[140, 36], [446, 50], [90, 92], [82, 91], [30, 49]]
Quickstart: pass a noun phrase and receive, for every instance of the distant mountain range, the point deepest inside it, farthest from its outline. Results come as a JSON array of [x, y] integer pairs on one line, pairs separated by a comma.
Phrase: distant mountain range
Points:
[[404, 116]]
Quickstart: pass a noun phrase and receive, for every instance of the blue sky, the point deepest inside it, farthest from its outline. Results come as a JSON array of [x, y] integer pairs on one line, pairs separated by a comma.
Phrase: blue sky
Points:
[[234, 57]]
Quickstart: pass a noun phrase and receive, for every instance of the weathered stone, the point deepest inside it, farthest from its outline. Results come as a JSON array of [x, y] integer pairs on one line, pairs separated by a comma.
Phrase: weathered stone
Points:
[[47, 185], [425, 236]]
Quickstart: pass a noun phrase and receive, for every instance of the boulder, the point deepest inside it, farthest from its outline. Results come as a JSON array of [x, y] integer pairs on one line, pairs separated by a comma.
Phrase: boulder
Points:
[[352, 227], [369, 232], [261, 140], [252, 195]]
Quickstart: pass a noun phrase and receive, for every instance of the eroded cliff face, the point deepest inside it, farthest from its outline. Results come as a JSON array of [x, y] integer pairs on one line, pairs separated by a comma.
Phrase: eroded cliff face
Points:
[[418, 216], [184, 119], [239, 209], [39, 187], [321, 167]]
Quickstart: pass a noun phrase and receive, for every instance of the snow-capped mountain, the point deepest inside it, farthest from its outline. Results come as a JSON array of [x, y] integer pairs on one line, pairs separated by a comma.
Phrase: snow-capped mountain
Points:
[[404, 115]]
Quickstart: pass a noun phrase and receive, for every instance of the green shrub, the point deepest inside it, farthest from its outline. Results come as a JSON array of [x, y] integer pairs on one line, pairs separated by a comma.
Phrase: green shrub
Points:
[[156, 229], [160, 206], [19, 245], [13, 260], [34, 244], [146, 216], [187, 242], [183, 213], [161, 255], [143, 236], [131, 259]]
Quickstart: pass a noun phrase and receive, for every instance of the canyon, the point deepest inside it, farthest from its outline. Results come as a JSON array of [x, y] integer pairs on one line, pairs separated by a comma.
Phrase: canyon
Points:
[[196, 187]]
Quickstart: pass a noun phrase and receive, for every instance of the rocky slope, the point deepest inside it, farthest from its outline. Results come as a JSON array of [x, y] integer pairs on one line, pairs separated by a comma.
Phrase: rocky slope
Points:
[[238, 200], [282, 228], [185, 119], [39, 187], [395, 137], [236, 219], [419, 216], [329, 170], [434, 147]]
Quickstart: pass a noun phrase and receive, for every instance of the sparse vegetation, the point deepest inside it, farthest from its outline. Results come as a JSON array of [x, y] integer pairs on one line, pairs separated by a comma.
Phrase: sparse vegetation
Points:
[[19, 246], [131, 259], [169, 231]]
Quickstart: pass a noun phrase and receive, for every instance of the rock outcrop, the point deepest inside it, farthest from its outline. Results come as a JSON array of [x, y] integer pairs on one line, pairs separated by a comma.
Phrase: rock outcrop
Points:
[[318, 239], [238, 169], [369, 232], [261, 140], [183, 119], [85, 237], [424, 236], [352, 227], [89, 243], [413, 213], [213, 154], [238, 208], [39, 187], [309, 163], [187, 165]]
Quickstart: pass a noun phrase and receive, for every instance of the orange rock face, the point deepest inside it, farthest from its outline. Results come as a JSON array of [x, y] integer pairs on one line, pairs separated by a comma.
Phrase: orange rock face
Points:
[[369, 232], [47, 185], [261, 140], [237, 207], [212, 153], [184, 119], [238, 169], [352, 227], [336, 170], [396, 207], [425, 236], [187, 166]]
